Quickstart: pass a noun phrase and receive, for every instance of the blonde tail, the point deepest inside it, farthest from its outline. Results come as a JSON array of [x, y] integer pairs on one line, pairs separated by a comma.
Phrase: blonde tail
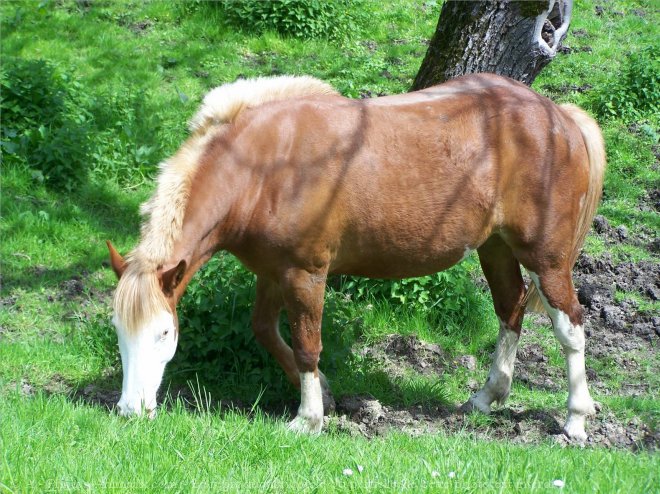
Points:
[[593, 140]]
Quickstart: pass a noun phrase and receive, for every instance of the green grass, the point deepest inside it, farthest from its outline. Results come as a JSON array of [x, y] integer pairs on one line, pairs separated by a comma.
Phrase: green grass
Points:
[[231, 452], [143, 85]]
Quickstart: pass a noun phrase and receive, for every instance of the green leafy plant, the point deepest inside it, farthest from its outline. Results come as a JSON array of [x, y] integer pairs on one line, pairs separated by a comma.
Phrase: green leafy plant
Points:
[[127, 139], [447, 298], [45, 122], [295, 18], [636, 90], [216, 336]]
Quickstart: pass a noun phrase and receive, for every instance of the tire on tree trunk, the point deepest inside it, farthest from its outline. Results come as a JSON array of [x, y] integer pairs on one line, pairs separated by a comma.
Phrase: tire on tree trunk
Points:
[[516, 39]]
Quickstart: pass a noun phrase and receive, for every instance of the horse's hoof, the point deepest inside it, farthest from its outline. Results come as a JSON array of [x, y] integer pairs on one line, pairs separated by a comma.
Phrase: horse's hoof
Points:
[[574, 428], [475, 404], [576, 435], [306, 425]]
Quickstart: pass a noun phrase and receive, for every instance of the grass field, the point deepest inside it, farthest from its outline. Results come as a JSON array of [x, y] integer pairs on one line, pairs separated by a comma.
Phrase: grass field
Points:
[[136, 72]]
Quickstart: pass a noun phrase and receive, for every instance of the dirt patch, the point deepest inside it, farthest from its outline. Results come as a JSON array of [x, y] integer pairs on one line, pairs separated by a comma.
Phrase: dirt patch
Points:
[[598, 280], [643, 237], [71, 289], [397, 354], [7, 302], [533, 369], [57, 384], [96, 395], [141, 27], [78, 289], [366, 416]]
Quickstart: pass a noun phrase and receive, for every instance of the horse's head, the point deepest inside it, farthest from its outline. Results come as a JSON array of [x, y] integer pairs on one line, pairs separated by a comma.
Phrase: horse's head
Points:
[[147, 328]]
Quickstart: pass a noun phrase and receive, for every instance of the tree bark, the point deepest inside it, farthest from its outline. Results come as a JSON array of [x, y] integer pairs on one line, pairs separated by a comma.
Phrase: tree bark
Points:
[[512, 38]]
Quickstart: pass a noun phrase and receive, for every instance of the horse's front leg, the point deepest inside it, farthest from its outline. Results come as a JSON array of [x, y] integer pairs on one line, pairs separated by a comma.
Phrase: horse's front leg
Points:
[[303, 293], [265, 316]]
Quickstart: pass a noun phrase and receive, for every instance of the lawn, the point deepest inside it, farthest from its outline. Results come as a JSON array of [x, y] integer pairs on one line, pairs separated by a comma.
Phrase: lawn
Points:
[[123, 79]]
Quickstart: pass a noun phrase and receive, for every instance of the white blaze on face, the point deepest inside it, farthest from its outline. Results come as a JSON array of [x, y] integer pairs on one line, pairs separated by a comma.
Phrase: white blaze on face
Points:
[[143, 358]]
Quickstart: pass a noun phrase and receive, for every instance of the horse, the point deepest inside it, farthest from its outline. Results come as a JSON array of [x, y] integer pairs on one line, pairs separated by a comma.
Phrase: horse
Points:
[[299, 182]]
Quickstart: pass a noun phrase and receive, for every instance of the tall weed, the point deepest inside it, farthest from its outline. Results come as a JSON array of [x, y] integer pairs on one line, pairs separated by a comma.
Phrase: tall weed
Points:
[[295, 18], [635, 92], [46, 124]]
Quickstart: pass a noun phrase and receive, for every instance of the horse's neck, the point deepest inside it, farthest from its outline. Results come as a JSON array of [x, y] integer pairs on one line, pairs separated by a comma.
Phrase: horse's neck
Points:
[[219, 204]]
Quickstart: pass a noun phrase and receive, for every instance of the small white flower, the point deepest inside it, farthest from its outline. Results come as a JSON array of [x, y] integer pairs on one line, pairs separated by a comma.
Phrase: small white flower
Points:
[[360, 468], [452, 475], [434, 473], [348, 472], [558, 483]]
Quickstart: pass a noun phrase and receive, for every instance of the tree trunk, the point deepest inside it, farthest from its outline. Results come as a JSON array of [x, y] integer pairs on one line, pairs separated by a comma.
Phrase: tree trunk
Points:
[[512, 38]]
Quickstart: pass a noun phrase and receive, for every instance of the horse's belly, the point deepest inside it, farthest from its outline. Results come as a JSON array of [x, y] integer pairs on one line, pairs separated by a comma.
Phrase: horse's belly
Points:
[[390, 262]]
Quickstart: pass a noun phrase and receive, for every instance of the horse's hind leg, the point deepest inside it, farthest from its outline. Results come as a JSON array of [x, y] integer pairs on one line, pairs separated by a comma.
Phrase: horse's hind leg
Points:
[[265, 325], [502, 272], [558, 296]]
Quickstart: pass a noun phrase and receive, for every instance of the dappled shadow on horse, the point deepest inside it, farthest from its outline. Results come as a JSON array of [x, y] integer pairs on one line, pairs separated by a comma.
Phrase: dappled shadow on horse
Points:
[[299, 183]]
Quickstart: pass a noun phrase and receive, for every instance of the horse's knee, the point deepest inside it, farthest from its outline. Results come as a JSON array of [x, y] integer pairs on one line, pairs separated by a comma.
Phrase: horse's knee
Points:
[[307, 358]]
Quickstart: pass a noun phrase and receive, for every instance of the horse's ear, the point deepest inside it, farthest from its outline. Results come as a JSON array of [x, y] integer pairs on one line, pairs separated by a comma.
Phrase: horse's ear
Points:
[[116, 260], [171, 278]]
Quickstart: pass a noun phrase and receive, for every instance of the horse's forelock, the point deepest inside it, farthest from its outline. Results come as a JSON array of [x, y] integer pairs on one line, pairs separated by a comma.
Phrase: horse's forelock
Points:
[[138, 297]]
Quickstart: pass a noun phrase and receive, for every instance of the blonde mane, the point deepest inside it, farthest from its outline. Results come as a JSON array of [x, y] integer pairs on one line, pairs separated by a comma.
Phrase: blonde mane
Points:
[[138, 296], [223, 104]]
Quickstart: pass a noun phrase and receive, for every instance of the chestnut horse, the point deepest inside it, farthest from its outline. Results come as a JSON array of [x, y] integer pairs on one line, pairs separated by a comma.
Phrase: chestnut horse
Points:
[[299, 182]]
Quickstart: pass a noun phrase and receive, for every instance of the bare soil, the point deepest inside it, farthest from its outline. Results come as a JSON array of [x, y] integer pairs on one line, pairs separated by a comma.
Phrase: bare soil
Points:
[[366, 416]]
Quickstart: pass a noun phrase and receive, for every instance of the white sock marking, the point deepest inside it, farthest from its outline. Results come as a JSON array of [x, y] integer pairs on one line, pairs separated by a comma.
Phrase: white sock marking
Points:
[[498, 385], [310, 412], [571, 338]]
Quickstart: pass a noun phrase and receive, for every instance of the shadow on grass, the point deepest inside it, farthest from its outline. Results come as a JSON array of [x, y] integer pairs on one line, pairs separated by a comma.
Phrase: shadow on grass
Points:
[[48, 220], [354, 415]]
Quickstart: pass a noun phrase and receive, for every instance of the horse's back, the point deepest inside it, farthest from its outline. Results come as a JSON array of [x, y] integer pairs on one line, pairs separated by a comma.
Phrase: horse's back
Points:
[[405, 184]]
